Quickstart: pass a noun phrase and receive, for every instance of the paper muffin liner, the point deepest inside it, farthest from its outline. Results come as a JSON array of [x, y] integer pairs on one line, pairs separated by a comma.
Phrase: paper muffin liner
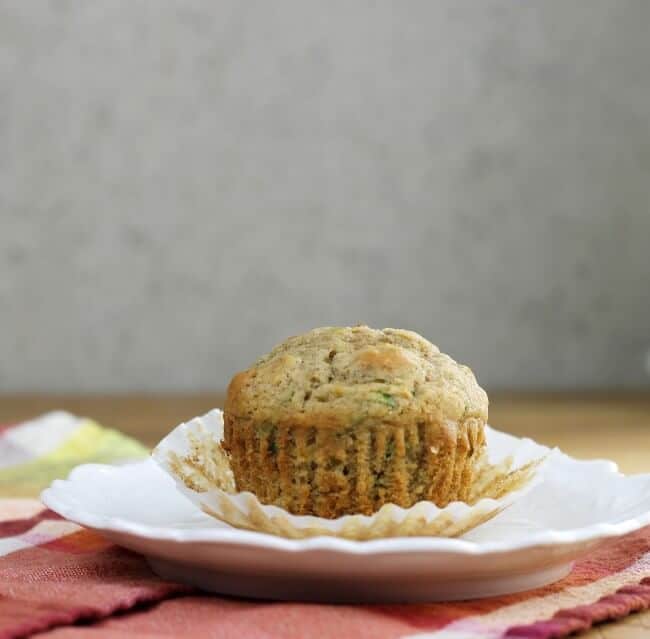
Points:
[[193, 456]]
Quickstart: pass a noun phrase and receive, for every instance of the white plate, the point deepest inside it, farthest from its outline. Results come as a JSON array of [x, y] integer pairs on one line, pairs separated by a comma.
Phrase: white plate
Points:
[[534, 542]]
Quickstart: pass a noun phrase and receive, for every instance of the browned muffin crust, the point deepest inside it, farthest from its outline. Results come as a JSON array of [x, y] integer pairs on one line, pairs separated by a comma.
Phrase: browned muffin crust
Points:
[[344, 420]]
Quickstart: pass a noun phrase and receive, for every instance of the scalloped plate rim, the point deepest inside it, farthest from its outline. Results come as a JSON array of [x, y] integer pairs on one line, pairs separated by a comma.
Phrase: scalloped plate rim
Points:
[[56, 501]]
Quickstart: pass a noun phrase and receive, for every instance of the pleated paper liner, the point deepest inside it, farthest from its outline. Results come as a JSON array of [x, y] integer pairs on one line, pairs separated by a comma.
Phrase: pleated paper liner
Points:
[[193, 456]]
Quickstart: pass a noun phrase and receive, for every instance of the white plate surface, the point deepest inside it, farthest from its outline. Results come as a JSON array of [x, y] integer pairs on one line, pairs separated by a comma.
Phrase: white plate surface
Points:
[[576, 506]]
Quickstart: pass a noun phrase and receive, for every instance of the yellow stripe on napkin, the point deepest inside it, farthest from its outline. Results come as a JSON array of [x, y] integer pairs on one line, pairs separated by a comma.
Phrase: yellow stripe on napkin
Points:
[[90, 443]]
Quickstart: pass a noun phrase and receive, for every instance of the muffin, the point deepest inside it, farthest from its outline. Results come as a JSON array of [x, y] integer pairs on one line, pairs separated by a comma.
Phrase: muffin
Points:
[[344, 420]]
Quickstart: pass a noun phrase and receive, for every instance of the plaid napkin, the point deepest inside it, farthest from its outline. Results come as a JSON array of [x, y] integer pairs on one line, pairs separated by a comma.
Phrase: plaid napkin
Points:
[[59, 580]]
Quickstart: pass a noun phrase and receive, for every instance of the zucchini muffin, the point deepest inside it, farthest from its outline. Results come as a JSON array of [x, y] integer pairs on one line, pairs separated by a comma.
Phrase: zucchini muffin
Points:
[[344, 420]]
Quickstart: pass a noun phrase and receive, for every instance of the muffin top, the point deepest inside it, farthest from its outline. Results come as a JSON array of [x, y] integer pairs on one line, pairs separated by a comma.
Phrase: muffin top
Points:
[[341, 377]]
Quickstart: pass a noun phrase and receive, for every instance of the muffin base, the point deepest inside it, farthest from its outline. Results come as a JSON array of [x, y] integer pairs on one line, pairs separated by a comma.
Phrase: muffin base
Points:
[[333, 472]]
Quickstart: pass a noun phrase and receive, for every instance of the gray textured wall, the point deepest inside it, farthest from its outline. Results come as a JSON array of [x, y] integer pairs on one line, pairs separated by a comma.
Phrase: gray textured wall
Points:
[[182, 185]]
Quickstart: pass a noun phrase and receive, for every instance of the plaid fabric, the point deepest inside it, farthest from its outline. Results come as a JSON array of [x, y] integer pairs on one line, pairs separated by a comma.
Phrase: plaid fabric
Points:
[[35, 453], [63, 581]]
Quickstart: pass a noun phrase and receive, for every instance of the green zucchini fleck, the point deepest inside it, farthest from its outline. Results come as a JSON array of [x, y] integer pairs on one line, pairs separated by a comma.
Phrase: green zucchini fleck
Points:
[[266, 432], [388, 399]]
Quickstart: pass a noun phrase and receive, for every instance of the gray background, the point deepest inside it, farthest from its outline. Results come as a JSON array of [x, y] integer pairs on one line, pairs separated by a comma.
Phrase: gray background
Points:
[[184, 184]]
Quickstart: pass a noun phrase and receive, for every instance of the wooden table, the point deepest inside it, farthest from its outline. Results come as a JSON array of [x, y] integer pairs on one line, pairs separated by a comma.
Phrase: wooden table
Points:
[[611, 425]]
